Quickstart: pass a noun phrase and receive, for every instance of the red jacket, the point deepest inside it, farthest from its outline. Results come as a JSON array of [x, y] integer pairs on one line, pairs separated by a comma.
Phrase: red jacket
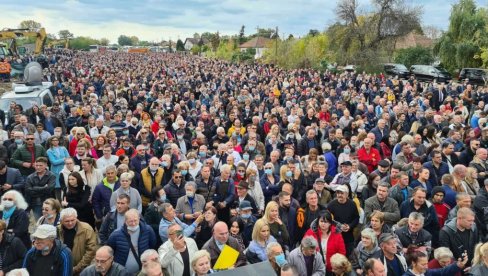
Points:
[[442, 210], [370, 159], [335, 243]]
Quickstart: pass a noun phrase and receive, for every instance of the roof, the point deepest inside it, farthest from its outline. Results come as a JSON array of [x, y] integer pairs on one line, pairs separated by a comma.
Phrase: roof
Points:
[[414, 39], [195, 41], [257, 42]]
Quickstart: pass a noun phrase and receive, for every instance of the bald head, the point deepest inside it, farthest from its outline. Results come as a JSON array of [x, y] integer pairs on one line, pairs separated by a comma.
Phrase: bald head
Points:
[[221, 232], [482, 154]]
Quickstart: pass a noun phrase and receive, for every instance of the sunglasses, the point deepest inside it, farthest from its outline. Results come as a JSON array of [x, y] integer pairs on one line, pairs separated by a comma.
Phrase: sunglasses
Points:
[[177, 177], [27, 139]]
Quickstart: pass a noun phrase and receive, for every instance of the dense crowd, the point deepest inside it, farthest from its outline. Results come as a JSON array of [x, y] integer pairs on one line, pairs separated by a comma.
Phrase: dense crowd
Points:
[[154, 164]]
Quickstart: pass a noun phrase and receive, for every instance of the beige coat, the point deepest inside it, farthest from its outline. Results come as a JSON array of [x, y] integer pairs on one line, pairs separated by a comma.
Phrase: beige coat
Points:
[[84, 246]]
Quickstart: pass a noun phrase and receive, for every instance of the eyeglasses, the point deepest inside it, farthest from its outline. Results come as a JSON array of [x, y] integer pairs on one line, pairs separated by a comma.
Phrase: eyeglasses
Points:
[[28, 139], [268, 168], [178, 177], [102, 261]]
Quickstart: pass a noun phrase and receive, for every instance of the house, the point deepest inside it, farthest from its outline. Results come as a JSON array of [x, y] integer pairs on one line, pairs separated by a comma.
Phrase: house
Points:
[[258, 43], [190, 42], [413, 39]]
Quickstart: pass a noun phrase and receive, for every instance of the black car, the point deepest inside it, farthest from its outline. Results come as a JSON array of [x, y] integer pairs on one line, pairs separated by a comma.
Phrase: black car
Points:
[[430, 73], [475, 76], [396, 69]]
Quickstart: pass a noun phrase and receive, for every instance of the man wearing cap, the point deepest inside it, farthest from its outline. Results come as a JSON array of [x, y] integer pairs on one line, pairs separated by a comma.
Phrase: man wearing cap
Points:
[[245, 215], [383, 169], [394, 263], [324, 196], [441, 208], [305, 258], [345, 177], [242, 194], [388, 206], [48, 256]]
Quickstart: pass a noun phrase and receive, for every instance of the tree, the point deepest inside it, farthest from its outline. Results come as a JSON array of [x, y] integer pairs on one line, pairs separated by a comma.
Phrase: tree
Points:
[[82, 42], [432, 32], [215, 41], [29, 24], [313, 32], [414, 55], [124, 40], [268, 33], [104, 41], [135, 40], [242, 35], [196, 36], [65, 34], [180, 46], [290, 37]]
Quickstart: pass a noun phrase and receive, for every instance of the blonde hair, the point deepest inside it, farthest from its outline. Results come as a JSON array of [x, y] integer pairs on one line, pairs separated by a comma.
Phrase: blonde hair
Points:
[[267, 211], [340, 261], [480, 251], [469, 173], [183, 165], [198, 255], [260, 223]]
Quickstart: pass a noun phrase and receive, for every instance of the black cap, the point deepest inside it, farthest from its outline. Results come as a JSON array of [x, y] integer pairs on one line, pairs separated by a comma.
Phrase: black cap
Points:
[[384, 164], [346, 163], [386, 237], [438, 189]]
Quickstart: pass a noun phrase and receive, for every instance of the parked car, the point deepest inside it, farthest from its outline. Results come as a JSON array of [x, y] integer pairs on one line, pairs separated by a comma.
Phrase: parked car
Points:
[[396, 69], [430, 73], [475, 76]]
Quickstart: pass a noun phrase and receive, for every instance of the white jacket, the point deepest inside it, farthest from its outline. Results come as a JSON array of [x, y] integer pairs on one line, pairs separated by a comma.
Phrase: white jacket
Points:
[[171, 260]]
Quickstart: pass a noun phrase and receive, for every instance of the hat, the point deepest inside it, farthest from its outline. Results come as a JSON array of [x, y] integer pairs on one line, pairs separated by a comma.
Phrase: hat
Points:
[[45, 231], [243, 185], [412, 104], [342, 188], [346, 163], [437, 189], [287, 142], [384, 164], [245, 205], [320, 179], [386, 237], [167, 147]]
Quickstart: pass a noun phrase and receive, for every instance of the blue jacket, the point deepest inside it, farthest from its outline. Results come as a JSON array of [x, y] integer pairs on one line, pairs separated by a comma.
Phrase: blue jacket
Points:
[[428, 185], [435, 174], [101, 198], [137, 160], [259, 250], [188, 230], [270, 189], [56, 158], [431, 223], [62, 262], [119, 242], [332, 162], [451, 269], [450, 196]]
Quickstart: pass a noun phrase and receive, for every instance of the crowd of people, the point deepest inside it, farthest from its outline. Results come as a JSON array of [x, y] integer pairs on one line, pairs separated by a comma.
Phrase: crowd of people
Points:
[[153, 164]]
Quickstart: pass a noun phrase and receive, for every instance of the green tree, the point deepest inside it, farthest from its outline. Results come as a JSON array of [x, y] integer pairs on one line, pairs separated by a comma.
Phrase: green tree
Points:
[[29, 24], [414, 55], [268, 33], [242, 36], [83, 42], [196, 36], [180, 46], [124, 40], [313, 32], [104, 41], [135, 40]]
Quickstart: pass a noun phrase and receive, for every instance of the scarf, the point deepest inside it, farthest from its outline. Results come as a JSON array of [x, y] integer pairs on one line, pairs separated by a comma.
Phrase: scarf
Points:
[[8, 213]]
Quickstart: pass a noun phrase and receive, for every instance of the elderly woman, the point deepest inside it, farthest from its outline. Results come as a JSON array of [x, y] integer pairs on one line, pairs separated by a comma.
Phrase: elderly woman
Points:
[[261, 237], [195, 164], [377, 223], [367, 248], [50, 212], [184, 167], [341, 265], [480, 260], [13, 250], [15, 217], [443, 257], [270, 182], [255, 190], [135, 197], [201, 263]]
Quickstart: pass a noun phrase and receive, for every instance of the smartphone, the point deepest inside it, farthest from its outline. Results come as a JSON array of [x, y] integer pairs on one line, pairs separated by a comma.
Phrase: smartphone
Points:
[[179, 233]]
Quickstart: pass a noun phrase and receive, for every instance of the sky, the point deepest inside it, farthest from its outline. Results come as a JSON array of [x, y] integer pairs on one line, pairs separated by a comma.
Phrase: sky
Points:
[[156, 20]]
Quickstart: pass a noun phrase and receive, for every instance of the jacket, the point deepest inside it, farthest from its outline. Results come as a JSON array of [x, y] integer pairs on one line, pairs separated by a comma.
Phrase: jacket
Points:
[[424, 238], [214, 251], [360, 255], [148, 183], [84, 245], [480, 207], [62, 264], [56, 159], [296, 258], [228, 196], [388, 270], [257, 251], [101, 198], [39, 189], [18, 225], [173, 192], [435, 174], [370, 159], [397, 194], [13, 252], [188, 230], [451, 269], [22, 154], [109, 224], [402, 160], [171, 260], [137, 162], [115, 270], [335, 242], [431, 224], [183, 206], [389, 208], [135, 198], [204, 189], [15, 179], [450, 238], [119, 240]]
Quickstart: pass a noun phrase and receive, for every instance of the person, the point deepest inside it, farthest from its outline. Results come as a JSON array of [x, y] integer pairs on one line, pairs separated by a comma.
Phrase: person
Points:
[[190, 206], [204, 230], [200, 263], [401, 191], [220, 237], [383, 203], [13, 250], [48, 256], [373, 267], [151, 269], [103, 193], [77, 196], [413, 235], [57, 155], [106, 159], [25, 155], [305, 260], [261, 237], [134, 234], [242, 193], [151, 178], [114, 220], [177, 252], [152, 216], [69, 167], [39, 186], [420, 261], [135, 198], [169, 217], [310, 211], [175, 187], [328, 237], [394, 263], [79, 237], [276, 256], [479, 206], [90, 174], [15, 216], [224, 193], [366, 249], [423, 181], [241, 227], [369, 155], [276, 226], [50, 212], [341, 265], [10, 178], [442, 258], [441, 208], [105, 264], [480, 260]]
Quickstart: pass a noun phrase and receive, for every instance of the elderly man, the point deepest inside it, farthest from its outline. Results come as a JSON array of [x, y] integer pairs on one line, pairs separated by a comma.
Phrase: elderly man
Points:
[[151, 177], [79, 237], [141, 159], [103, 192], [24, 126], [414, 234], [98, 129], [169, 217], [479, 163], [305, 258], [373, 267], [39, 186], [221, 238], [131, 241], [48, 256], [177, 252], [393, 262], [224, 193], [383, 203], [190, 206], [276, 256], [114, 219], [104, 264], [369, 155]]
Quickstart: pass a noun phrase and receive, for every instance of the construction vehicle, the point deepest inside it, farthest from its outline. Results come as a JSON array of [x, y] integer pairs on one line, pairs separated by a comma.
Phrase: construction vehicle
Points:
[[12, 35], [58, 44]]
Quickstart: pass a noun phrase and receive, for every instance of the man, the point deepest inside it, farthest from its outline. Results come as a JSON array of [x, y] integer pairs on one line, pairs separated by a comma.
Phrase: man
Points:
[[309, 212], [247, 219], [392, 178], [134, 234], [305, 259], [176, 253], [423, 181], [288, 215], [103, 192], [25, 126], [345, 212], [25, 155], [467, 155], [205, 181], [308, 142], [344, 177], [405, 157], [169, 217], [98, 129], [462, 200], [380, 130], [401, 191], [441, 208], [175, 187], [479, 163], [141, 159], [48, 256], [323, 195], [151, 177], [394, 263], [276, 256], [41, 136], [413, 234], [182, 141], [460, 234], [480, 207], [448, 155], [39, 186], [220, 238], [437, 168], [81, 152], [373, 267], [107, 159], [79, 237], [190, 206], [114, 220], [383, 203], [10, 178], [383, 169], [104, 264], [241, 195], [224, 193], [369, 155]]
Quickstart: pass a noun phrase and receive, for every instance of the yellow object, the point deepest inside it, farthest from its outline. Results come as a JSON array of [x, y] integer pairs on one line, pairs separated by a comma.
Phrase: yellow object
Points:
[[14, 34], [227, 258], [276, 92]]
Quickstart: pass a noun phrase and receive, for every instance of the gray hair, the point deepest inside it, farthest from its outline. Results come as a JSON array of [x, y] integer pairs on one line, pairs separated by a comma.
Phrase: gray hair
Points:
[[111, 168], [147, 254], [416, 216], [68, 212], [163, 207], [19, 199], [270, 246], [368, 232], [443, 252], [191, 184], [126, 176], [308, 242], [225, 167]]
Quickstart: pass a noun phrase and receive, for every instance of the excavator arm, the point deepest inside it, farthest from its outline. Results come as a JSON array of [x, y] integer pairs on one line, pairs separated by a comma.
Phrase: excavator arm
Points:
[[14, 34]]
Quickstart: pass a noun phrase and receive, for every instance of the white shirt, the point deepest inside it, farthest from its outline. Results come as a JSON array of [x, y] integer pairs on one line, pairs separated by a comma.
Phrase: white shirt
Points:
[[103, 162]]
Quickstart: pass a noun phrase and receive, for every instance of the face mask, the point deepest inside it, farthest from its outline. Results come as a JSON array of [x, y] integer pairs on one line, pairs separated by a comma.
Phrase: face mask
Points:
[[202, 154], [162, 198], [251, 148], [289, 174], [184, 172], [191, 161], [153, 168], [347, 151], [180, 137], [268, 171], [7, 204], [280, 260], [245, 157], [50, 216], [45, 250], [126, 148], [190, 194], [252, 179], [18, 141], [241, 174], [164, 164], [133, 228], [245, 216], [126, 132]]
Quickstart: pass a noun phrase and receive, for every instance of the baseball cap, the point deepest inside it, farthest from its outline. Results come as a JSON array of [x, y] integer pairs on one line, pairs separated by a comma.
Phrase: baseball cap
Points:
[[245, 205], [45, 231], [386, 237], [243, 185], [320, 179], [342, 188], [384, 164]]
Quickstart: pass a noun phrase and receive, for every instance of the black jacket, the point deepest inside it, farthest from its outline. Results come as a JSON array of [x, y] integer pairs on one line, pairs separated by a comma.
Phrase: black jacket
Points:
[[424, 238], [13, 252], [449, 237], [18, 225], [481, 211]]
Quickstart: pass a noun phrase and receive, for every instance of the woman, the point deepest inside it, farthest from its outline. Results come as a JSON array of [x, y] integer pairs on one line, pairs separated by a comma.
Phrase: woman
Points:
[[50, 212], [329, 240], [277, 227], [195, 164], [90, 174], [341, 265], [112, 139], [312, 156], [160, 142], [261, 237], [204, 230], [12, 248], [123, 159], [370, 189], [419, 261], [76, 196], [443, 257], [255, 190], [269, 182], [480, 260], [184, 167], [386, 147], [366, 248], [377, 223], [15, 217], [152, 216], [201, 263], [69, 167], [57, 156], [470, 182], [99, 143], [135, 197], [36, 116]]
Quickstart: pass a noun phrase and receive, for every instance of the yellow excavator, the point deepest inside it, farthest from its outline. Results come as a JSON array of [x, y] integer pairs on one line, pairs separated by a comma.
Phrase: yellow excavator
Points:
[[13, 35]]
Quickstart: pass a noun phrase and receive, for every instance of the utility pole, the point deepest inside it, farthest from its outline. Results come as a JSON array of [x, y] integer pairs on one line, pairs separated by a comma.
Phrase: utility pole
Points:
[[276, 46]]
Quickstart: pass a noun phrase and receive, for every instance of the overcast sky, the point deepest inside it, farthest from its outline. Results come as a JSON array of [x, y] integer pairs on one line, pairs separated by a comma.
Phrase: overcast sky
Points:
[[154, 20]]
